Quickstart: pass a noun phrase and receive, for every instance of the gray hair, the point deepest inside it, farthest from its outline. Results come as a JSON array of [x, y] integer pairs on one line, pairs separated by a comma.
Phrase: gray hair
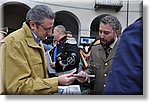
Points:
[[61, 28], [38, 13], [113, 21]]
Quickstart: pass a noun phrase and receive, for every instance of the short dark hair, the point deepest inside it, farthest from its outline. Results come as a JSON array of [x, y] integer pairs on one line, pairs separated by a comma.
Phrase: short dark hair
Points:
[[113, 21]]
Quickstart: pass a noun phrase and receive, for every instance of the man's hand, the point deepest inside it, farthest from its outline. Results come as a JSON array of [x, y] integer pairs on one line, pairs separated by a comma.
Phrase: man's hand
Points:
[[66, 79], [81, 76], [52, 64]]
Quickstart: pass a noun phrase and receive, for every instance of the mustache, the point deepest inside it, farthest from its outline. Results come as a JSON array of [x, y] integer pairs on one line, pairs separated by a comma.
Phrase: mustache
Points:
[[102, 39]]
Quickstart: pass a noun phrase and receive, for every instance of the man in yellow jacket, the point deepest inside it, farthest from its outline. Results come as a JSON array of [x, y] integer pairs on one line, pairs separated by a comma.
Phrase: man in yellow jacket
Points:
[[24, 63]]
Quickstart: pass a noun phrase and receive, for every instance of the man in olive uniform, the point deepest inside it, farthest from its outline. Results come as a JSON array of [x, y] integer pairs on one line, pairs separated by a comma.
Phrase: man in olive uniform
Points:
[[102, 54], [65, 55]]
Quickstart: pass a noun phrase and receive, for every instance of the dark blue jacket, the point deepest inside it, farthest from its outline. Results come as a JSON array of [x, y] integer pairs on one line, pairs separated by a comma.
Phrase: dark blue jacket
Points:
[[126, 76]]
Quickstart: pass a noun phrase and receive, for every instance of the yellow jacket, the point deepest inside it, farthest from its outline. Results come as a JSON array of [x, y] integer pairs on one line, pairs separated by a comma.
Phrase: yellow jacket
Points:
[[24, 65]]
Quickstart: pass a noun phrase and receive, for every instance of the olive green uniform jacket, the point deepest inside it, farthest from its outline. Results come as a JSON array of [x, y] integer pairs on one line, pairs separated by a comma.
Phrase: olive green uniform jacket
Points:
[[100, 66], [24, 65]]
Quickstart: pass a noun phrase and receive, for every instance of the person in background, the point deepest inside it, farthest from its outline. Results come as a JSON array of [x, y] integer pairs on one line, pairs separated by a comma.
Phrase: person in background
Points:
[[126, 75], [69, 34], [48, 43], [65, 56], [3, 32], [53, 53], [102, 54], [48, 46], [23, 56]]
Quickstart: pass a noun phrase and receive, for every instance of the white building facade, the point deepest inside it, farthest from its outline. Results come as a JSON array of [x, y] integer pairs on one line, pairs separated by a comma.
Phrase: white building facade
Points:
[[79, 16]]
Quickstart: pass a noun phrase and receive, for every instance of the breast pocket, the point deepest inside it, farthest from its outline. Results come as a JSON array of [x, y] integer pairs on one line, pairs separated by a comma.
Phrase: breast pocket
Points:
[[37, 67]]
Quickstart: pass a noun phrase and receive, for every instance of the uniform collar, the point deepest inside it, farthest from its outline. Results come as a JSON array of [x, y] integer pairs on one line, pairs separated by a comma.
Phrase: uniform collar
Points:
[[62, 39], [113, 44]]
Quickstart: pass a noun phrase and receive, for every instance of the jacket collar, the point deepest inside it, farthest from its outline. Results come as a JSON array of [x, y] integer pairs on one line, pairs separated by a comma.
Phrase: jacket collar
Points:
[[29, 36], [113, 44]]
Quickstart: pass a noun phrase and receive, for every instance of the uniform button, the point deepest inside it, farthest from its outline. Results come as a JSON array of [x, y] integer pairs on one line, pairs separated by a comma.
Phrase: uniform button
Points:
[[104, 85], [106, 64], [105, 75], [94, 65]]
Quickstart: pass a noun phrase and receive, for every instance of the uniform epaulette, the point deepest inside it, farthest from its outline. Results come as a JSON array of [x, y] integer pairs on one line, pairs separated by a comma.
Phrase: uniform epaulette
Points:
[[96, 44], [71, 41]]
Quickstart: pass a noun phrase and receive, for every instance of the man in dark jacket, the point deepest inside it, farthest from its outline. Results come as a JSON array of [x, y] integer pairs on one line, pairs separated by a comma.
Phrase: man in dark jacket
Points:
[[65, 55]]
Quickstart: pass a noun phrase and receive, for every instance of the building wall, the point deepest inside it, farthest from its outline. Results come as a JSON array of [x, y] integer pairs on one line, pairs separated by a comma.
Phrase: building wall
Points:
[[84, 11]]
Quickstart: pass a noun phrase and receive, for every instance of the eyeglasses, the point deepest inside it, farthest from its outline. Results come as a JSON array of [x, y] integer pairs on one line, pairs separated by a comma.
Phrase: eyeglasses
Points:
[[46, 29]]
